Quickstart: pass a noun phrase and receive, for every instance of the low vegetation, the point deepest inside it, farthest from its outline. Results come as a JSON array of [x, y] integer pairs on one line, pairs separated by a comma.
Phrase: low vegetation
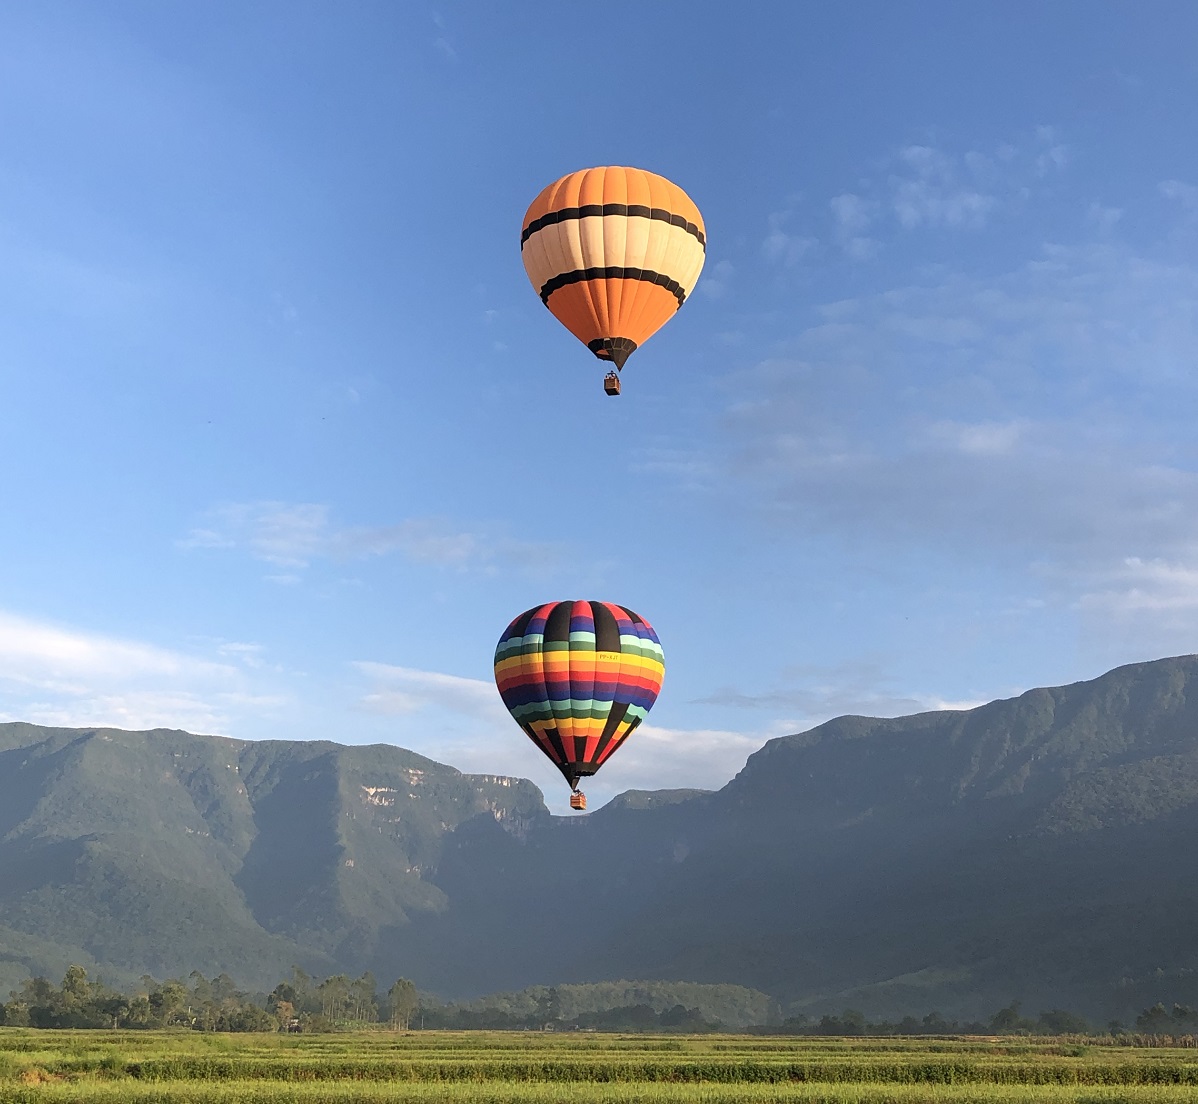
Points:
[[501, 1067]]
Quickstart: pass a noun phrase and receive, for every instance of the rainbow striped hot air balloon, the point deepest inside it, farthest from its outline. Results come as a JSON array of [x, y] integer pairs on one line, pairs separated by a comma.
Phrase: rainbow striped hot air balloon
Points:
[[613, 252], [578, 677]]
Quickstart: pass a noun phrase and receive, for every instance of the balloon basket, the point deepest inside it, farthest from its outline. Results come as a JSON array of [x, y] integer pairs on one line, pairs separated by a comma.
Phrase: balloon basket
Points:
[[611, 383], [578, 801]]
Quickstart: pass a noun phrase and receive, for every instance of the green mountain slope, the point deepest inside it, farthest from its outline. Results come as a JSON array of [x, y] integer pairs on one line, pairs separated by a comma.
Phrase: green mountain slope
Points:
[[163, 852], [1039, 848]]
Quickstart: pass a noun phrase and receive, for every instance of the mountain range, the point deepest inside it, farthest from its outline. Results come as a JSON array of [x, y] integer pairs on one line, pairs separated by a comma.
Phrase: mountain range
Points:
[[1042, 848]]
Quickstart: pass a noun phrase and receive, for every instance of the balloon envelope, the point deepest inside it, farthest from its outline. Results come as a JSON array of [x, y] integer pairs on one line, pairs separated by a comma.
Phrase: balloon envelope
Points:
[[613, 252], [578, 677]]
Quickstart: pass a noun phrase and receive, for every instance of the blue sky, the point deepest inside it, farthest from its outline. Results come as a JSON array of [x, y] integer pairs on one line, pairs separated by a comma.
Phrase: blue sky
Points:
[[289, 439]]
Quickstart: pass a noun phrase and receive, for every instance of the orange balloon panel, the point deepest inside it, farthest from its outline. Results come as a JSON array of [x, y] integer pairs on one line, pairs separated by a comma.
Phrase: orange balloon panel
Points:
[[613, 252]]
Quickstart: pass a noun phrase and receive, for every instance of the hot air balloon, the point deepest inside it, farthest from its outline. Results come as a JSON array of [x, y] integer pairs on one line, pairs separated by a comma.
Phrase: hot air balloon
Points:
[[578, 677], [613, 253]]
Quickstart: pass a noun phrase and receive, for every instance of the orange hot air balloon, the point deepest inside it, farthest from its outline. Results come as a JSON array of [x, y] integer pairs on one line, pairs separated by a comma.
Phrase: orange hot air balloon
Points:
[[613, 252]]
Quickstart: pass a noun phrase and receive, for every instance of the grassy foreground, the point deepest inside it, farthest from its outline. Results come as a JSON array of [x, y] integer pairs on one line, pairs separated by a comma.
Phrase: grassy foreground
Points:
[[513, 1067]]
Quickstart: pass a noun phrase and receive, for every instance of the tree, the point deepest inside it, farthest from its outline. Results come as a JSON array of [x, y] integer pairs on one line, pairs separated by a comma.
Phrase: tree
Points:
[[334, 995], [1185, 1016], [16, 1013], [549, 1006], [402, 1000], [201, 987], [76, 991], [1155, 1020], [224, 988], [301, 985], [114, 1008], [168, 1003], [1006, 1020], [1056, 1021], [36, 991], [361, 998], [284, 1012]]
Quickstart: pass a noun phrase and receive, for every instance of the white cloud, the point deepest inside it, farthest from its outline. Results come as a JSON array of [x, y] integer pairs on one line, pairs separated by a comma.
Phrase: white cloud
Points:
[[655, 758], [812, 694], [782, 247], [1054, 155], [1185, 194], [55, 675], [1036, 420], [401, 691], [248, 654], [934, 189], [853, 216], [923, 186], [1105, 218], [1186, 197], [716, 279], [45, 654], [982, 438], [1139, 586], [463, 722], [294, 535]]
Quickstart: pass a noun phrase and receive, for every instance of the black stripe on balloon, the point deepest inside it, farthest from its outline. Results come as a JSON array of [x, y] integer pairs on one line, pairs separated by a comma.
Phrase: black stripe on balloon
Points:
[[557, 627], [631, 210], [636, 618], [559, 749], [520, 625], [613, 272], [607, 630], [618, 709]]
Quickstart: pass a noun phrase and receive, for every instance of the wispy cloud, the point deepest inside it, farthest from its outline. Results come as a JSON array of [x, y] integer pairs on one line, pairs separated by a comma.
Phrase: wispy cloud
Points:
[[810, 695], [463, 721], [655, 758], [933, 189], [57, 675], [782, 245], [1103, 217], [716, 279], [1036, 419], [1149, 603], [442, 41], [1185, 197], [852, 217], [923, 186], [1153, 586], [292, 536], [981, 438], [402, 691]]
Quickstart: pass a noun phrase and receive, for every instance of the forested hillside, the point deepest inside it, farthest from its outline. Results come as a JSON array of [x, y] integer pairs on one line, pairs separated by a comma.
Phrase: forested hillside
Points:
[[1039, 848]]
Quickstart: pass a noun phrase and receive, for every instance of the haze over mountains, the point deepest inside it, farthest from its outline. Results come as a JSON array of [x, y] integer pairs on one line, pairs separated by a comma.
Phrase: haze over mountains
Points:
[[1043, 848]]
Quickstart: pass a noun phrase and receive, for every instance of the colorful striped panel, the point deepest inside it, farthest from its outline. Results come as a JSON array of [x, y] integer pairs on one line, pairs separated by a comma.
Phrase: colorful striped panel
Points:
[[578, 677]]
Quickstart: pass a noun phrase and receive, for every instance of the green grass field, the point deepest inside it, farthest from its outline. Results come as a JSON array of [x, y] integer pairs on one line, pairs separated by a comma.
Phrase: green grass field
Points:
[[508, 1068]]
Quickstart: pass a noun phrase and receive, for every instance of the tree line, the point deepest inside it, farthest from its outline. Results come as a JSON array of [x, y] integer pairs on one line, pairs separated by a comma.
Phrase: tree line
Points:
[[305, 1004], [301, 1003], [1176, 1022]]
